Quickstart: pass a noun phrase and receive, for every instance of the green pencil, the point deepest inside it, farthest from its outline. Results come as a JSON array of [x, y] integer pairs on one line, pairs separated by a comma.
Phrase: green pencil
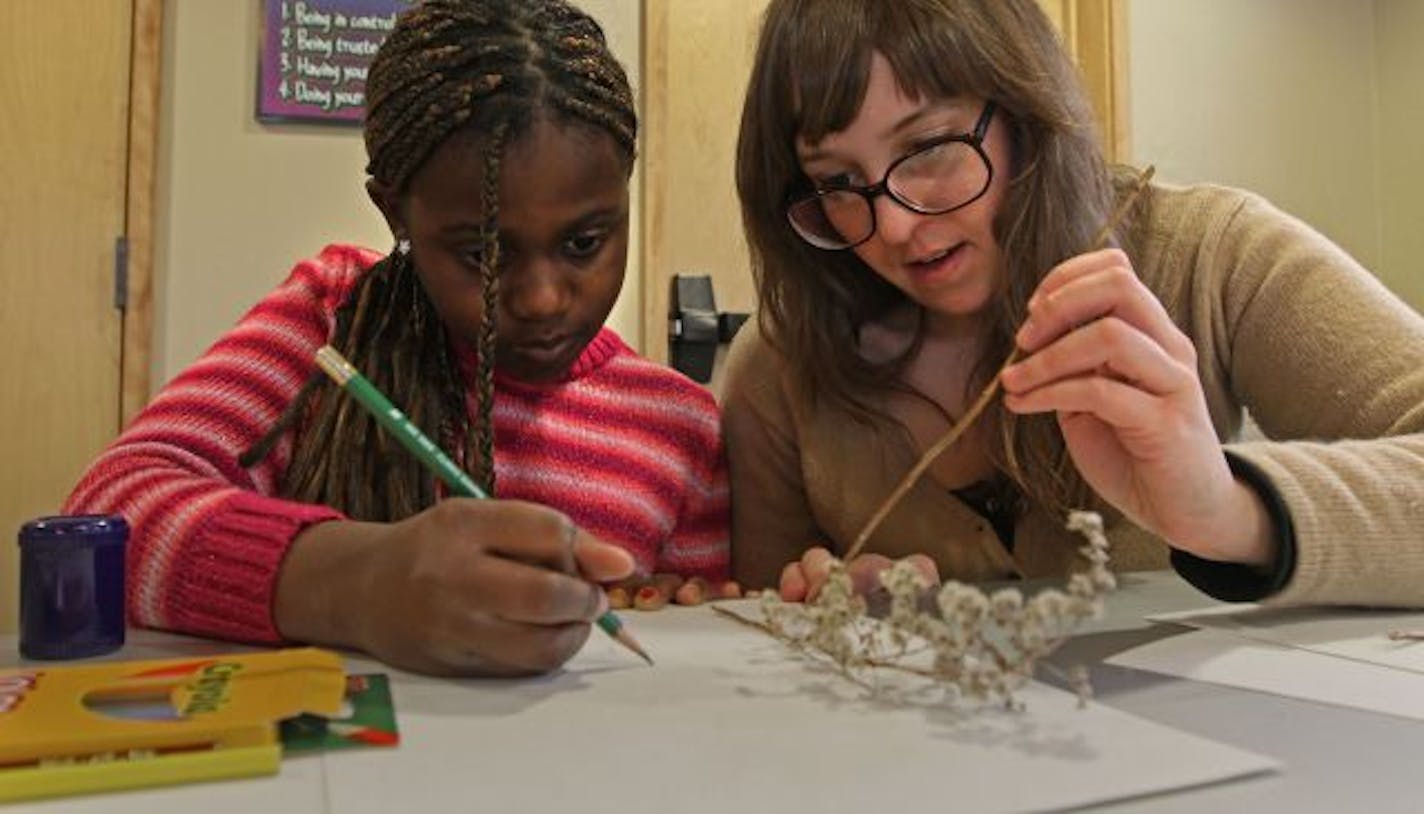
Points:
[[389, 416]]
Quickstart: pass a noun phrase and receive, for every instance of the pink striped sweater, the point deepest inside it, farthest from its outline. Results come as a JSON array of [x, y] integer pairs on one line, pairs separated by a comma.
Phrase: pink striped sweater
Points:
[[629, 449]]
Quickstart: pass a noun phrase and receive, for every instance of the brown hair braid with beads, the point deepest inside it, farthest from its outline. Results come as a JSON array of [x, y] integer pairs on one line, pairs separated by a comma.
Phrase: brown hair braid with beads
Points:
[[489, 67]]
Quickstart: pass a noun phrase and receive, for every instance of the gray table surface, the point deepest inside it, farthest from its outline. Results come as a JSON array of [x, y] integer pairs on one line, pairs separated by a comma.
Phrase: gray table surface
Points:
[[1335, 758]]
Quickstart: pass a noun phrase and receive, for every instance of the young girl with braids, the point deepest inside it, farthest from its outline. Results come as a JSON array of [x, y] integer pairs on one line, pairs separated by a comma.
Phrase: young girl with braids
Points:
[[266, 506]]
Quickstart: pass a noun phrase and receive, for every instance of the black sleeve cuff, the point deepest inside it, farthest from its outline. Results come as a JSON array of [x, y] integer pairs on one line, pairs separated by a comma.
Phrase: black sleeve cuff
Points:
[[1233, 582]]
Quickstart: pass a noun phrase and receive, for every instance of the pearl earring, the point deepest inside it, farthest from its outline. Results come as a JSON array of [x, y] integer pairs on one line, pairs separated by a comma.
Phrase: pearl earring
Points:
[[403, 247]]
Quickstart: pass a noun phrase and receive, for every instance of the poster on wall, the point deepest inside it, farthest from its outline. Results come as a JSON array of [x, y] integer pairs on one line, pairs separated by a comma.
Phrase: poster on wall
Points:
[[313, 56]]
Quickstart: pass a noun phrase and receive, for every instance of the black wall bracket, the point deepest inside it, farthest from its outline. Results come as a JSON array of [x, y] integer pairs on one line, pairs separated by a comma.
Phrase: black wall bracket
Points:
[[696, 328]]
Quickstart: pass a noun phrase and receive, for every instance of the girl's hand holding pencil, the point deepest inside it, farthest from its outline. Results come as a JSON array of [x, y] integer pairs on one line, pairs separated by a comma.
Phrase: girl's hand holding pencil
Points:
[[466, 587]]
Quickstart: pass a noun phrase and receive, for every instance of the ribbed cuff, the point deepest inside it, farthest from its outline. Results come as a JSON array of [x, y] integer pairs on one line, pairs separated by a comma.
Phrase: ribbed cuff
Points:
[[1234, 582], [224, 581]]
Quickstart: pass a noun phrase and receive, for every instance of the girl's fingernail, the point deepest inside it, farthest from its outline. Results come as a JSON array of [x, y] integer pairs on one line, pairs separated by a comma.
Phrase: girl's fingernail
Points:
[[692, 592], [649, 598]]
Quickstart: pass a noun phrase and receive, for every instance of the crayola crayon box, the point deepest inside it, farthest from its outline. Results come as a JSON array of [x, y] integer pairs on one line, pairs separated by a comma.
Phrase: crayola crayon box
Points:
[[118, 725]]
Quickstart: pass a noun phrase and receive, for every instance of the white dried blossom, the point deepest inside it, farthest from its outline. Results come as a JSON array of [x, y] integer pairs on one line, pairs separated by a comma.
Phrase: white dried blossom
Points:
[[1005, 604], [982, 647]]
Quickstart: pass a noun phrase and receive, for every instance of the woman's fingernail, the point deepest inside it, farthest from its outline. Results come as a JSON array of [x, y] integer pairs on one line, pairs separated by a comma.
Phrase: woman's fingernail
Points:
[[1025, 333]]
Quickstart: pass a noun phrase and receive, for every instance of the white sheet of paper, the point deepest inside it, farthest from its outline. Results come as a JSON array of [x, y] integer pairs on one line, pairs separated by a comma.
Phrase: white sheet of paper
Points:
[[1222, 657], [728, 721], [1358, 634]]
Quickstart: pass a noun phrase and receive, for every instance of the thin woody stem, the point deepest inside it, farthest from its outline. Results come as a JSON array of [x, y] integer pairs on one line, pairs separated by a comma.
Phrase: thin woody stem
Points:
[[737, 617], [990, 390]]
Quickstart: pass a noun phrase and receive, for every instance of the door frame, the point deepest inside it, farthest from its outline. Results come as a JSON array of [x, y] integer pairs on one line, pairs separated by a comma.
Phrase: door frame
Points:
[[1096, 34], [145, 93]]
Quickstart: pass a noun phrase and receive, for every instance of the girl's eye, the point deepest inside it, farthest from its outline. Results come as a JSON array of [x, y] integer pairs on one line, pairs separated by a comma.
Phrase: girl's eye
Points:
[[585, 244], [471, 257]]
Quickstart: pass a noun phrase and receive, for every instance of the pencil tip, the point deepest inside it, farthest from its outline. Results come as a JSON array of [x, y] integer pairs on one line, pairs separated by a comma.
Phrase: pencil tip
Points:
[[632, 644]]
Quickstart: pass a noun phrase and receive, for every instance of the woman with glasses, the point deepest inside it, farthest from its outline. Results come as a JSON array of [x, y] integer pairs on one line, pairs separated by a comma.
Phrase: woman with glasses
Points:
[[923, 193]]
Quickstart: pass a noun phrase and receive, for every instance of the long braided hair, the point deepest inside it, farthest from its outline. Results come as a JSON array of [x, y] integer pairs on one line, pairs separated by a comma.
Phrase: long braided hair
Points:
[[484, 67]]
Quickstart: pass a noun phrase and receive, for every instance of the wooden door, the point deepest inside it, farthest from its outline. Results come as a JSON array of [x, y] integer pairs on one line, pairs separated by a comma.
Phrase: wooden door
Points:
[[697, 56], [64, 90], [696, 59], [1095, 32]]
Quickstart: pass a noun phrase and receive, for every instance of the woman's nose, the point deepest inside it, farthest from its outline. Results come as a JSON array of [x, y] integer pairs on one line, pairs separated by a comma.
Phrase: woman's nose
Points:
[[534, 291], [893, 222]]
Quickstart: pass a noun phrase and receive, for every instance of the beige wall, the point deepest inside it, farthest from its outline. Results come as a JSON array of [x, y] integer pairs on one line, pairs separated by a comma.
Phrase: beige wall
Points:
[[1273, 95], [1399, 32], [1314, 103], [240, 202]]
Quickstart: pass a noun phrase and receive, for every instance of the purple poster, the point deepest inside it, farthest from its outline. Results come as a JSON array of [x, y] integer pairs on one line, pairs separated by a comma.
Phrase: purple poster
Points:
[[313, 57]]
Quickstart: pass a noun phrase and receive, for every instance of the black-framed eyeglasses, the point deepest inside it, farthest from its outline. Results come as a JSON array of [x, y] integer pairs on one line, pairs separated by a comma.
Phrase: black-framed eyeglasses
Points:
[[948, 173]]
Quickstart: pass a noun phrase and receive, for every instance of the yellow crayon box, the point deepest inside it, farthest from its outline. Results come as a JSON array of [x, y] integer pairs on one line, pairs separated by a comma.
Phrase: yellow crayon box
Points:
[[129, 724]]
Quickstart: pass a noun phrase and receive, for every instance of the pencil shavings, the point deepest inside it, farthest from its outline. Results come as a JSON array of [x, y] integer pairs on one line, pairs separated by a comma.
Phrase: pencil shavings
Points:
[[977, 646]]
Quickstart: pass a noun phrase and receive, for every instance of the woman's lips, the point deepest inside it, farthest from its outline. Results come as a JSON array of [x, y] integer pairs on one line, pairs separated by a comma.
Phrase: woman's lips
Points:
[[938, 267]]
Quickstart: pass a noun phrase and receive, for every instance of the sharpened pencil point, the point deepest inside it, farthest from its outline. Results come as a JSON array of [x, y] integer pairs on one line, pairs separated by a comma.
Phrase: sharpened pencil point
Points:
[[613, 626], [625, 639]]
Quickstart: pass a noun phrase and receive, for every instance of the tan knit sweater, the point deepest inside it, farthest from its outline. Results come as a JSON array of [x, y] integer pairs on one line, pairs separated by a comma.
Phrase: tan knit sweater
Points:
[[1286, 325]]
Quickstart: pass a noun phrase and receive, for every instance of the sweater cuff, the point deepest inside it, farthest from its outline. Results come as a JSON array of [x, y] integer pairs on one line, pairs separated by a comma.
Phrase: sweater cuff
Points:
[[225, 582], [1234, 582]]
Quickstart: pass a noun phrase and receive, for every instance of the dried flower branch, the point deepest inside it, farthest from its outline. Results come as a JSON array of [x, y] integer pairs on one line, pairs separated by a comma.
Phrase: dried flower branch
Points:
[[981, 646], [986, 395]]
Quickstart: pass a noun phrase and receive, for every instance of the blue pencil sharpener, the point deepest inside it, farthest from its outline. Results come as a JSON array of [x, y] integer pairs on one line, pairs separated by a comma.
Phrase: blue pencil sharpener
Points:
[[72, 586]]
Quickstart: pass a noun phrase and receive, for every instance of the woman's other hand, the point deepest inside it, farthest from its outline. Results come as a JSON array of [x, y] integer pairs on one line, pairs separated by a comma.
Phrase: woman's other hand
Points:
[[802, 581]]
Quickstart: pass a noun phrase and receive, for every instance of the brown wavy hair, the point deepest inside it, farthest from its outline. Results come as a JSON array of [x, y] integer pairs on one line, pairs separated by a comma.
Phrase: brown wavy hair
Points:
[[487, 68], [809, 79]]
